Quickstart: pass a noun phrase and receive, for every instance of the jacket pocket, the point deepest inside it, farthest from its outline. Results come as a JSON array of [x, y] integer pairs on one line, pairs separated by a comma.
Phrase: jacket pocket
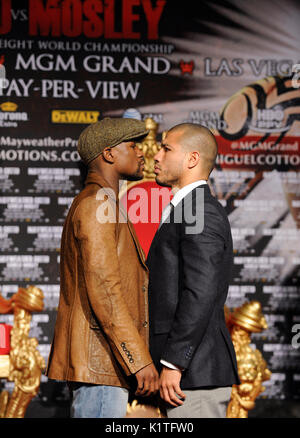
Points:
[[99, 354]]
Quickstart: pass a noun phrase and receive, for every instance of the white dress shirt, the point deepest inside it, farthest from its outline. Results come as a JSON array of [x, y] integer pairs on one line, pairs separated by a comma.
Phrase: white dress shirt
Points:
[[178, 196]]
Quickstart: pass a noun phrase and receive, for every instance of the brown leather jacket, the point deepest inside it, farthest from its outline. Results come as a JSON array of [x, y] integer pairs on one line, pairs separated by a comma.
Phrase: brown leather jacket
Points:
[[101, 331]]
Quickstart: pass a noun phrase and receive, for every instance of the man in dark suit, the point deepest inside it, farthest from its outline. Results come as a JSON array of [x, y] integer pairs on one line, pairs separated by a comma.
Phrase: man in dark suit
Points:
[[190, 261]]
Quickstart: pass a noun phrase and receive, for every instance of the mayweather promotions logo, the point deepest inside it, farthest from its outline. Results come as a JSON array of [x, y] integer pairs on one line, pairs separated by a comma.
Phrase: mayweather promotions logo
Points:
[[10, 117], [74, 116]]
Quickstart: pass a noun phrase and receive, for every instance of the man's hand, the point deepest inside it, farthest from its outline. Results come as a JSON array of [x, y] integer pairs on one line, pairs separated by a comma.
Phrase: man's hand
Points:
[[169, 386], [147, 381]]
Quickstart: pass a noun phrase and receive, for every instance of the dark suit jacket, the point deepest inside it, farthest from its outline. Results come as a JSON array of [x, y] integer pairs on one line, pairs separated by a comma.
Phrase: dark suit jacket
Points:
[[188, 286]]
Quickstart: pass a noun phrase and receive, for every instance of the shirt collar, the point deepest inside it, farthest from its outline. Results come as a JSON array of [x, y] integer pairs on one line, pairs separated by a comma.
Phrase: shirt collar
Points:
[[185, 190]]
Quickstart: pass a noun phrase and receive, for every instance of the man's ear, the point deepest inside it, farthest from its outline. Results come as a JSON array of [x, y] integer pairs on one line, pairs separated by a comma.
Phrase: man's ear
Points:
[[193, 159], [108, 155]]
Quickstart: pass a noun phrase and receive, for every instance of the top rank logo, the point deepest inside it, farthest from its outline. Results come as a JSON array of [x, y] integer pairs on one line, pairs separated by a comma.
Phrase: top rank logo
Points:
[[115, 19]]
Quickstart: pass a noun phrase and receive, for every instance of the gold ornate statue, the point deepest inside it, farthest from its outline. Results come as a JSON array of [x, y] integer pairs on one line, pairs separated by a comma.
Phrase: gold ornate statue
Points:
[[150, 147], [252, 368], [137, 410], [24, 364]]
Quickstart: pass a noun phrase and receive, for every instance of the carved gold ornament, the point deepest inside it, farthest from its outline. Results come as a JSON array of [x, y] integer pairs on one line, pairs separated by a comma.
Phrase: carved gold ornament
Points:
[[252, 367], [24, 364]]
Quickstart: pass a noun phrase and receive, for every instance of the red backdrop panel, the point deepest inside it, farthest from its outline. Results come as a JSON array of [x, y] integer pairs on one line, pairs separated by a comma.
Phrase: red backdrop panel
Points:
[[144, 203]]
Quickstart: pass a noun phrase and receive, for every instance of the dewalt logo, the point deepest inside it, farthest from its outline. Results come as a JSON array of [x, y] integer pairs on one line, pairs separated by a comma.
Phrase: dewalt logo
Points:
[[74, 116]]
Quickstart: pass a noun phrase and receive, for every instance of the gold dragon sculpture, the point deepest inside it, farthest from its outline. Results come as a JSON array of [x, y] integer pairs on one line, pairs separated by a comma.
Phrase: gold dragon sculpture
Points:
[[252, 367]]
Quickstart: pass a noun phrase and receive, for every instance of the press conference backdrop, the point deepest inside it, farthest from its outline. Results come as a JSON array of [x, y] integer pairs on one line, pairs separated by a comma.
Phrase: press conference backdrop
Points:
[[232, 66]]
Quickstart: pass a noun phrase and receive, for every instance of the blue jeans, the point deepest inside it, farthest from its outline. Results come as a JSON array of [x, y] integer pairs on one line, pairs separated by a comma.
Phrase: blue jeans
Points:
[[98, 401]]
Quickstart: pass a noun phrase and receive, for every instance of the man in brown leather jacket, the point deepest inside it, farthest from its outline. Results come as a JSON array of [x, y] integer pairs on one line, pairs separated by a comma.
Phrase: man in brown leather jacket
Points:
[[101, 331]]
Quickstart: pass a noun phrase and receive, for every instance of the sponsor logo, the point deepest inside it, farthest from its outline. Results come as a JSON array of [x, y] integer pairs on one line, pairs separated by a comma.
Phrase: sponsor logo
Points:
[[267, 107], [210, 119], [187, 67], [8, 106], [133, 113], [9, 116], [270, 120], [74, 116]]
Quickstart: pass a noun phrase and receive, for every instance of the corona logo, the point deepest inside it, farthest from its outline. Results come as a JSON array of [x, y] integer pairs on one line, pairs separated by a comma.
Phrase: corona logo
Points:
[[10, 117], [8, 106], [187, 67]]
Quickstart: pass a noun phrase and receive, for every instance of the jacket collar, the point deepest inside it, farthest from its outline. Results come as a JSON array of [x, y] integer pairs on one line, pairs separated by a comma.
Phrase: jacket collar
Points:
[[95, 178], [184, 191]]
